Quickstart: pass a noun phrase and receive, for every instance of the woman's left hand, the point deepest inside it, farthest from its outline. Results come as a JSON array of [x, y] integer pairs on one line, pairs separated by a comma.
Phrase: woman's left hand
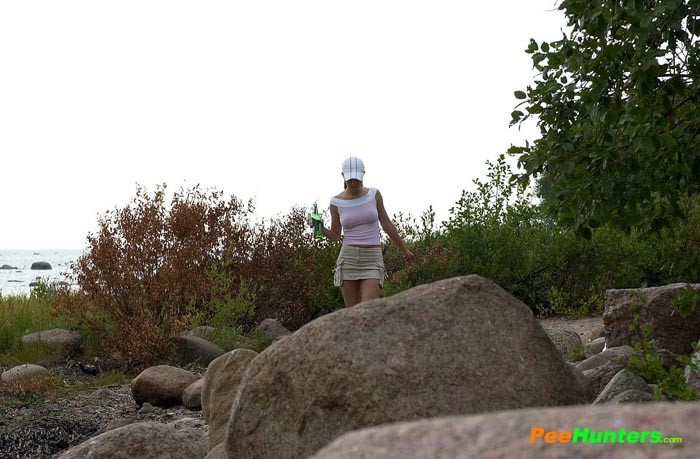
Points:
[[409, 257]]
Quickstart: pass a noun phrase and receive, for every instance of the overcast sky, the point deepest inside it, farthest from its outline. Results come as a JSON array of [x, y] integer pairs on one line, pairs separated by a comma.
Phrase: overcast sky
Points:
[[261, 99]]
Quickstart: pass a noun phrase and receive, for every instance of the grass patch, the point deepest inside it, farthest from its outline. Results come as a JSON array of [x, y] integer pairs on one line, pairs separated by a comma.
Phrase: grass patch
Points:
[[20, 315]]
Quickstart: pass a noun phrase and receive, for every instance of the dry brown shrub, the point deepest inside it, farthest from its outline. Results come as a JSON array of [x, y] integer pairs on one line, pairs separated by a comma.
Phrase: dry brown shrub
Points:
[[153, 269], [145, 269]]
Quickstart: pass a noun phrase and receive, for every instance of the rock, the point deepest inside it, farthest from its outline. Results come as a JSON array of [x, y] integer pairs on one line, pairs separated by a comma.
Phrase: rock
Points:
[[584, 382], [238, 342], [273, 330], [142, 440], [39, 265], [598, 332], [623, 381], [147, 408], [187, 423], [192, 395], [692, 375], [600, 376], [219, 452], [203, 331], [24, 374], [567, 342], [594, 347], [161, 385], [669, 330], [219, 389], [619, 355], [116, 423], [63, 343], [192, 349], [632, 396], [507, 434], [461, 345], [8, 267]]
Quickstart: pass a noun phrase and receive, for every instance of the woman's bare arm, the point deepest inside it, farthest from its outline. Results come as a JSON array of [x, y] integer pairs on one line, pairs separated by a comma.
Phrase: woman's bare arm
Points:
[[334, 232], [391, 231]]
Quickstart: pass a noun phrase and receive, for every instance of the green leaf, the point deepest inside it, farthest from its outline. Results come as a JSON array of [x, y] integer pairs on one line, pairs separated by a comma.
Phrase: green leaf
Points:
[[520, 95]]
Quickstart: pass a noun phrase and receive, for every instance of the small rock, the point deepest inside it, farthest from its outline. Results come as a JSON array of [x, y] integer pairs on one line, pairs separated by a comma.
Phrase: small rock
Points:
[[147, 408], [161, 385], [192, 349], [619, 355], [192, 396], [24, 374], [273, 329], [39, 265], [595, 347], [8, 267]]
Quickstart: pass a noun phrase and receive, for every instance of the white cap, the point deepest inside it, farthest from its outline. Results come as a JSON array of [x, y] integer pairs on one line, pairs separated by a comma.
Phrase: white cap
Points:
[[353, 168]]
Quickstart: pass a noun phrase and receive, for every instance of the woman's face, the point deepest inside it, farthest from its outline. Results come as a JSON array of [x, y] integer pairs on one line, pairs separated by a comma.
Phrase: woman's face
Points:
[[353, 183]]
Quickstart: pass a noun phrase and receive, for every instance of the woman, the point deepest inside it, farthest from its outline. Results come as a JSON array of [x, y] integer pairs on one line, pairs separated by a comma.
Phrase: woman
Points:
[[357, 212]]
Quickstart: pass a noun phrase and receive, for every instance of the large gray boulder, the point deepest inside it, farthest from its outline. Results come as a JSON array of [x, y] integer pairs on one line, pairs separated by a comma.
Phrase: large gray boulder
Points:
[[142, 440], [63, 343], [161, 385], [632, 396], [507, 434], [669, 330], [457, 346], [193, 349], [600, 376], [220, 384], [219, 452], [24, 374], [567, 342], [623, 381]]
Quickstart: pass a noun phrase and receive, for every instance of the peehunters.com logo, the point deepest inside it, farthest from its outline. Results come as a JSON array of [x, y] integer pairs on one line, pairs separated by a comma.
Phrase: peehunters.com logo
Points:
[[586, 435]]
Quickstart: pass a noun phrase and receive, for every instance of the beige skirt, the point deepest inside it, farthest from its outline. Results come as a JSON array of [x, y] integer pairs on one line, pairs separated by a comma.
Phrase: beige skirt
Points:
[[357, 263]]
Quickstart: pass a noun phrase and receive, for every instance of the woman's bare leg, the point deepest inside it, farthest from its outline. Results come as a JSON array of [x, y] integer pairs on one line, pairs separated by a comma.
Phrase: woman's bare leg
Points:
[[369, 289], [351, 292]]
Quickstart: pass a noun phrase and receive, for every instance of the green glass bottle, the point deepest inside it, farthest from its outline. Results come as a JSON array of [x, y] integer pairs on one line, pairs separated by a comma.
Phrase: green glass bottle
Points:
[[316, 217]]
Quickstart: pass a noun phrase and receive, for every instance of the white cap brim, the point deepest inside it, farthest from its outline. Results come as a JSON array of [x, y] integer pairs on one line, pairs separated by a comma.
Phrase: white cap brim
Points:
[[353, 175]]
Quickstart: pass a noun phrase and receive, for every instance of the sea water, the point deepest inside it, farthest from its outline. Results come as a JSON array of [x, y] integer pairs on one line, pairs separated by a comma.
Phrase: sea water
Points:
[[16, 281]]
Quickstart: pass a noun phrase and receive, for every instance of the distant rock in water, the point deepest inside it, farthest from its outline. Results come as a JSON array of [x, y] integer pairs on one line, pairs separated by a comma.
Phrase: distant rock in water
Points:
[[8, 267], [41, 265]]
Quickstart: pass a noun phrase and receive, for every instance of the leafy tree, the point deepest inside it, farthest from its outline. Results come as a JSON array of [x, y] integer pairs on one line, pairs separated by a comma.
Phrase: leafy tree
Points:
[[616, 102]]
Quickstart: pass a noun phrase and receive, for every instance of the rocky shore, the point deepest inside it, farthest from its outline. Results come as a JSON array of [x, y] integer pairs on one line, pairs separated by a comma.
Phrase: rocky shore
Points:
[[47, 427], [389, 375]]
